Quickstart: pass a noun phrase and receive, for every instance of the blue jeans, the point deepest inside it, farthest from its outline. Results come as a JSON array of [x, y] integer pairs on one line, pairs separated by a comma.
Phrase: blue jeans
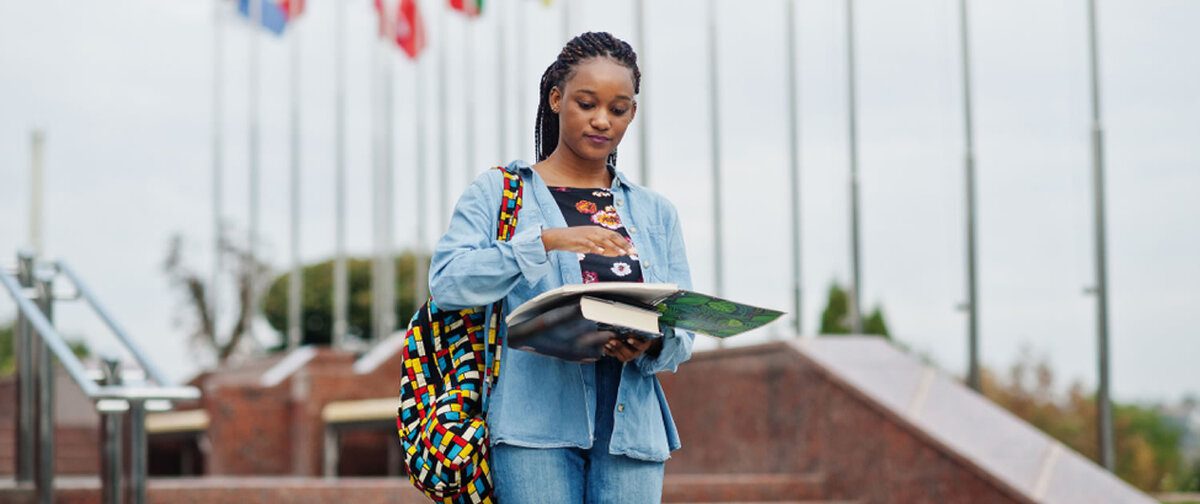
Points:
[[573, 475]]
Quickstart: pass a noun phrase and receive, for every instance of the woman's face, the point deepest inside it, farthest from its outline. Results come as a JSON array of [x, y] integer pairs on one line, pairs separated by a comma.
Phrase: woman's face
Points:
[[595, 107]]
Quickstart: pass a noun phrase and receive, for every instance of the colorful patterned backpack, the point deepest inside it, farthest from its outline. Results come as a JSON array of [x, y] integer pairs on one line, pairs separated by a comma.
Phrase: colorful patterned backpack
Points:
[[445, 385]]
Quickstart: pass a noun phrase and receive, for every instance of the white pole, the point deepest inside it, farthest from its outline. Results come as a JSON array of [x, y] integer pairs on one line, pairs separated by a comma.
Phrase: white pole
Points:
[[256, 16], [525, 137], [714, 105], [389, 199], [378, 203], [37, 166], [374, 78], [218, 158], [501, 84], [852, 113], [1104, 411], [295, 281], [793, 101], [469, 101], [443, 40], [566, 21], [421, 271], [341, 287], [972, 304], [644, 126]]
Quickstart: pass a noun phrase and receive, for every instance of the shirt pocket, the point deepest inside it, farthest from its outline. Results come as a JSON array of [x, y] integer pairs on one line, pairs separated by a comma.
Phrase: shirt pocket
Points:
[[656, 263]]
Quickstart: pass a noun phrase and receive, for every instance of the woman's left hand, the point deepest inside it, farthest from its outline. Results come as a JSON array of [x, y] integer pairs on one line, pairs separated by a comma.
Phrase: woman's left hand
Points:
[[627, 348]]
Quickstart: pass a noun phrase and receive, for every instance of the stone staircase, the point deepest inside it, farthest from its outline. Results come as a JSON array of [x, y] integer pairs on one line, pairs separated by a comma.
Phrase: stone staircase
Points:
[[745, 489], [77, 441], [827, 420]]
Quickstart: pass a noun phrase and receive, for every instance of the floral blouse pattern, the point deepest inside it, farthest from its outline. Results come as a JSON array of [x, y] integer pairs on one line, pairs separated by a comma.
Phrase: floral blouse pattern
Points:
[[594, 207]]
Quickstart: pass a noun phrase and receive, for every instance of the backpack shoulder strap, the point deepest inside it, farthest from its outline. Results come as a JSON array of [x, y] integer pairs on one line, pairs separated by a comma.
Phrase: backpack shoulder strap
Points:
[[512, 188]]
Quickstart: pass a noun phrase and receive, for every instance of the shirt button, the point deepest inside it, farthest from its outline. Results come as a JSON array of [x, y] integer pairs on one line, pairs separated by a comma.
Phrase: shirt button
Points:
[[632, 230], [645, 264], [618, 203], [621, 408]]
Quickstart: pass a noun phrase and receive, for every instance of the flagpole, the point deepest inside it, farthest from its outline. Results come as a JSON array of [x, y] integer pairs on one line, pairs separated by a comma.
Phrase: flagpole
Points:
[[469, 103], [1104, 411], [256, 16], [37, 190], [714, 106], [523, 139], [644, 127], [794, 164], [374, 77], [856, 326], [972, 304], [388, 263], [383, 284], [566, 20], [443, 127], [218, 158], [295, 283], [341, 288], [502, 85], [421, 272]]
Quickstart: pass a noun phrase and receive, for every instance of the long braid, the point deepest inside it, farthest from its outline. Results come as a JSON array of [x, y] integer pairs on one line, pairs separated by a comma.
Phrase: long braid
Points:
[[587, 45]]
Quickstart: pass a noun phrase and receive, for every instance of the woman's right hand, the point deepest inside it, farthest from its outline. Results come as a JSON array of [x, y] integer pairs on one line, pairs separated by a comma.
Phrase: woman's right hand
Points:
[[587, 240]]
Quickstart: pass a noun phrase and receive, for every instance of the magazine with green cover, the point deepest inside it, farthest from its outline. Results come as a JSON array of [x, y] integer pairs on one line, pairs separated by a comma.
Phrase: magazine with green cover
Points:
[[565, 322]]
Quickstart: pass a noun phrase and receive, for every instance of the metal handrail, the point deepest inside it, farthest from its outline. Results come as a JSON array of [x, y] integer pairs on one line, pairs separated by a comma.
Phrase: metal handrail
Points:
[[86, 293], [75, 368], [111, 399]]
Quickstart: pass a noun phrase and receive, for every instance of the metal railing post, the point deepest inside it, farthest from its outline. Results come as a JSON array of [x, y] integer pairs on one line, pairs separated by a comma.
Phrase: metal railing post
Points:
[[25, 376], [110, 455], [137, 452], [44, 473]]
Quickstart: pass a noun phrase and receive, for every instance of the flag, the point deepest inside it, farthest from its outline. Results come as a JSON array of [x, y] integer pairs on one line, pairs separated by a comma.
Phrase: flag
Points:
[[401, 24], [471, 8], [276, 14]]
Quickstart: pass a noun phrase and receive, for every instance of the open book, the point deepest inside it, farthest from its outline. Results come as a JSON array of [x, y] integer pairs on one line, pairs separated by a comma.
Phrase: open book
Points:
[[570, 322]]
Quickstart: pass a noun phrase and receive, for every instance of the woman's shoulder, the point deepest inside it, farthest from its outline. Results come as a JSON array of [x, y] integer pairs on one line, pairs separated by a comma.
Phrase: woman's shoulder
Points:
[[655, 200]]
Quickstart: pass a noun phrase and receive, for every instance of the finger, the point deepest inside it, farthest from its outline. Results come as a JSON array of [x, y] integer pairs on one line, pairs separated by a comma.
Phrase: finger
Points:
[[612, 348], [618, 244], [639, 344], [626, 352]]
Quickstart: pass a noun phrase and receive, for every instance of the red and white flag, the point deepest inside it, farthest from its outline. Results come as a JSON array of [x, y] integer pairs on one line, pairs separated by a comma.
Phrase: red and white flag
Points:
[[471, 8], [400, 22]]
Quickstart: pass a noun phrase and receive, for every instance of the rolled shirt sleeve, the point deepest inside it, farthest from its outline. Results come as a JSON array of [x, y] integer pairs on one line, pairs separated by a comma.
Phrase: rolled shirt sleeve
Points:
[[469, 266], [677, 344]]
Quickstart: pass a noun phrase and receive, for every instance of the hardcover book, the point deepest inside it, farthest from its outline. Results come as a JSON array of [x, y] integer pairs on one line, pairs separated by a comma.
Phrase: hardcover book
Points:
[[574, 321]]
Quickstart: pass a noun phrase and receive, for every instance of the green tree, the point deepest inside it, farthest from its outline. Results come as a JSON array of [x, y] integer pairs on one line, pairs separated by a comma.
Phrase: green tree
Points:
[[316, 305], [835, 319]]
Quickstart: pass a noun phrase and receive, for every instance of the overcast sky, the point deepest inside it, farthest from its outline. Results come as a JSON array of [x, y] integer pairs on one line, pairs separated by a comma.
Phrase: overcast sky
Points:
[[123, 90]]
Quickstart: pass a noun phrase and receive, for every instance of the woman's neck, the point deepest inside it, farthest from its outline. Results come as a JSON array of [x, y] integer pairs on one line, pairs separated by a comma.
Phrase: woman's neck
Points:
[[567, 170]]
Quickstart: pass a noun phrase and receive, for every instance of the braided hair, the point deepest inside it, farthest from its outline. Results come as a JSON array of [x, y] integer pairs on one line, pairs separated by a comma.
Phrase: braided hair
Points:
[[580, 48]]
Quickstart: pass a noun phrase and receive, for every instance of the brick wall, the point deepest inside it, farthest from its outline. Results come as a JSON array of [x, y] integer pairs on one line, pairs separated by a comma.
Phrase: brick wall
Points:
[[768, 410]]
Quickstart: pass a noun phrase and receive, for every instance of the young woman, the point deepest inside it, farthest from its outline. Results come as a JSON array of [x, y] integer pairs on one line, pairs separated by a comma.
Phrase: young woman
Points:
[[570, 432]]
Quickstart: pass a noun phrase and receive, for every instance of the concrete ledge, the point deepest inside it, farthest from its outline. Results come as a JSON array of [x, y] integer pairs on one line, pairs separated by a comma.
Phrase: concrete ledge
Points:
[[177, 421]]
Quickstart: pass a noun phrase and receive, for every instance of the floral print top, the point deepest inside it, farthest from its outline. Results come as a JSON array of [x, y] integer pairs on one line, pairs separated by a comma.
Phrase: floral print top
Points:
[[594, 207]]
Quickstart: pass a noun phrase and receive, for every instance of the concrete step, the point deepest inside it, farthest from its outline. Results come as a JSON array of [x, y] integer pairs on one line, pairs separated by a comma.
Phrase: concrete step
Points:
[[743, 487], [233, 490], [696, 489]]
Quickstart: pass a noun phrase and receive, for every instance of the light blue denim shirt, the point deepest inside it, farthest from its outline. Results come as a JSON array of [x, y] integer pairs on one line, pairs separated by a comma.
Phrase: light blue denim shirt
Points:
[[544, 402]]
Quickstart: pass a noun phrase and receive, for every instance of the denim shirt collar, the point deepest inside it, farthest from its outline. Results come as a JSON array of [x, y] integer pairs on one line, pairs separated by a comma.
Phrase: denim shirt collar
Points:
[[619, 181]]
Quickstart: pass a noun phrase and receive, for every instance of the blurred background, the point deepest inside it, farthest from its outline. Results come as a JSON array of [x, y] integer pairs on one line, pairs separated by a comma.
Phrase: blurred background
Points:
[[159, 146]]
